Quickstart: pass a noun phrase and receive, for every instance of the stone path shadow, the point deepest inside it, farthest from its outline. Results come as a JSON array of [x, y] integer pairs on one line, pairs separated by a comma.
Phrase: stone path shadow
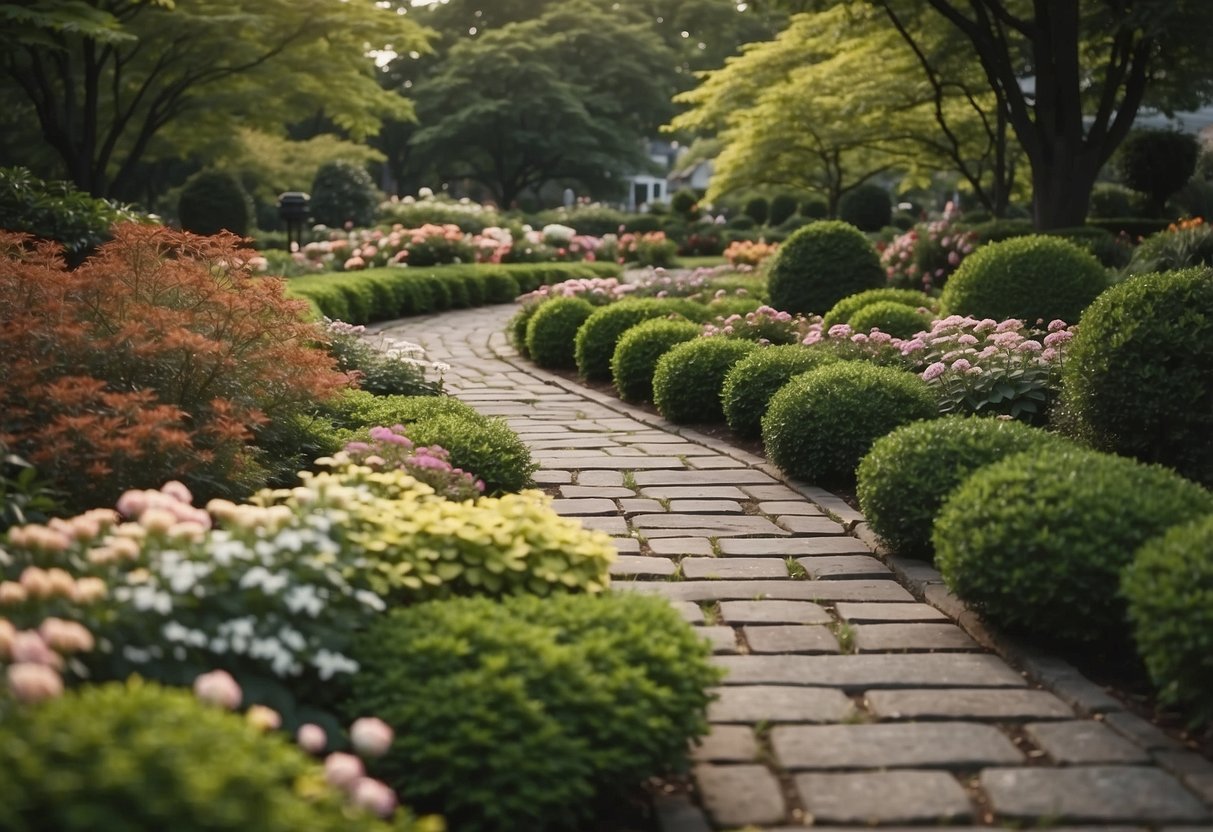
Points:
[[849, 701]]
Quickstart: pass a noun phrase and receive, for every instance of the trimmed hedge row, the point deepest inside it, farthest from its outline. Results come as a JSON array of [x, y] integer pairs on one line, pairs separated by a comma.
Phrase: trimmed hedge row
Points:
[[386, 294]]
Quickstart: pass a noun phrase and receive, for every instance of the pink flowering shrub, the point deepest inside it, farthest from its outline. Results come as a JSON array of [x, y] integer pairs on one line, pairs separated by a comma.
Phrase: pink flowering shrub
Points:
[[597, 290], [651, 248], [391, 448], [764, 325], [926, 255]]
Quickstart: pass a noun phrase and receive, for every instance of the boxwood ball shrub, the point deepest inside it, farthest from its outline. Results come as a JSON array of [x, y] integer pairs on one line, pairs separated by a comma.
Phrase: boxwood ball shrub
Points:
[[142, 758], [552, 330], [212, 201], [1169, 588], [867, 207], [842, 311], [517, 326], [906, 476], [750, 384], [1033, 278], [1138, 379], [343, 192], [688, 379], [896, 319], [524, 714], [638, 350], [820, 265], [820, 424], [596, 339], [1036, 542]]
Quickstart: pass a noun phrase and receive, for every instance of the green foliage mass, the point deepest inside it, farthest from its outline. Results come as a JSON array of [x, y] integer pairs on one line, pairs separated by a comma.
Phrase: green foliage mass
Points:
[[1138, 379], [1169, 587], [1035, 279], [342, 193], [524, 714], [638, 350], [552, 331], [1157, 163], [906, 476], [689, 377], [144, 758], [213, 201], [596, 339], [1036, 542], [888, 316], [822, 423], [842, 311], [752, 381], [821, 264], [867, 207]]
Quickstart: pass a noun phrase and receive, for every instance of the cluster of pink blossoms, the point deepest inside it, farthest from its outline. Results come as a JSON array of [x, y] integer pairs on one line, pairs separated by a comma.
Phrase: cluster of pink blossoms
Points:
[[391, 448], [765, 325], [597, 290]]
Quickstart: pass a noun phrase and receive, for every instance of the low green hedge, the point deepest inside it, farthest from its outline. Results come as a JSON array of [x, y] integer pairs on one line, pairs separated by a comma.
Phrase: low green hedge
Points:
[[552, 331], [390, 293], [638, 351], [752, 381], [688, 379], [532, 713], [843, 310], [892, 318], [596, 339]]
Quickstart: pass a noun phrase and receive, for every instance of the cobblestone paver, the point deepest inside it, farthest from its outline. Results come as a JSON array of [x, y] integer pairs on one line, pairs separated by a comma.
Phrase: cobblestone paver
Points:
[[848, 702]]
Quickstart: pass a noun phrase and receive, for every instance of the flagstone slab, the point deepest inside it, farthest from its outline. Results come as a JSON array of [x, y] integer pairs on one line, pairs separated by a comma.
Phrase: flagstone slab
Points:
[[865, 672], [1094, 794], [952, 745]]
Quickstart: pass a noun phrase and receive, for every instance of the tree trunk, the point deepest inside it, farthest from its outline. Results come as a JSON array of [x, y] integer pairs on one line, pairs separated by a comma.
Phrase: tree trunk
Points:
[[1061, 187]]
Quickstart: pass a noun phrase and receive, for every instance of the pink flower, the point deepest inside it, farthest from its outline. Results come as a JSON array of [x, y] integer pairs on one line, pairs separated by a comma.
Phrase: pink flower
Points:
[[311, 738], [132, 503], [33, 682], [12, 592], [374, 796], [1056, 325], [1058, 337], [961, 364], [1029, 346], [934, 371], [29, 647], [36, 582], [263, 718], [177, 491], [343, 770], [218, 688], [66, 636], [371, 736]]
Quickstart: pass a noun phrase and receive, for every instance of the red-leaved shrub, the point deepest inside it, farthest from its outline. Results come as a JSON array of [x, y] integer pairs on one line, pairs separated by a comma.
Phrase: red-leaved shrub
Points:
[[159, 358]]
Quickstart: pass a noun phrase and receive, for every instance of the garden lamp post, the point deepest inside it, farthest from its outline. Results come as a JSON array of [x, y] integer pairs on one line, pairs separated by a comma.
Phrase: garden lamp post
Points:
[[293, 207]]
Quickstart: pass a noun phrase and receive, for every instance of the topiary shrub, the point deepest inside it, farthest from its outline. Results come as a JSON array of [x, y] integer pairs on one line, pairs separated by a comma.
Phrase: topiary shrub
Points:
[[500, 287], [1138, 379], [596, 339], [1036, 542], [741, 222], [517, 326], [783, 207], [1035, 279], [842, 311], [342, 193], [688, 379], [552, 331], [1168, 586], [1157, 163], [820, 265], [819, 425], [1112, 201], [523, 714], [905, 477], [213, 201], [867, 207], [685, 203], [894, 318], [752, 381], [638, 350], [143, 758], [757, 209]]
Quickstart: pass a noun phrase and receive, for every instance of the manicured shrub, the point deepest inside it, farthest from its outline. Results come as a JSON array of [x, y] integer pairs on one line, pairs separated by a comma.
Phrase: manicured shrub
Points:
[[888, 316], [1139, 376], [517, 326], [143, 758], [905, 477], [160, 358], [819, 425], [552, 330], [597, 337], [757, 209], [752, 381], [1112, 201], [1034, 278], [820, 265], [501, 287], [685, 203], [843, 310], [867, 207], [1168, 586], [783, 207], [638, 350], [386, 368], [1157, 163], [1036, 542], [688, 378], [213, 201], [741, 222], [342, 193], [523, 714], [1181, 245]]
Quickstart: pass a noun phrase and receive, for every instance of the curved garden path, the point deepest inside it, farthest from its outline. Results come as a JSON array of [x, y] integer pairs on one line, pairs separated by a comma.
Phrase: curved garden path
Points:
[[852, 696]]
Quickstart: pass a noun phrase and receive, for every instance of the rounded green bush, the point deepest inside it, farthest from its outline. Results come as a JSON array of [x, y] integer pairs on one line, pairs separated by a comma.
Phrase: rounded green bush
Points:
[[500, 287], [907, 475], [867, 207], [821, 264], [1035, 278], [688, 378], [888, 316], [783, 207], [1138, 379], [1169, 588], [820, 424], [214, 201], [1036, 542], [141, 758], [597, 337], [750, 384], [516, 328], [343, 192], [638, 350], [552, 330], [523, 714], [843, 310]]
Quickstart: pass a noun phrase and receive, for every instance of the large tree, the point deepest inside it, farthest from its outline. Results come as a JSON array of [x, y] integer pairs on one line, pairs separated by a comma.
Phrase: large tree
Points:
[[105, 80], [1071, 75]]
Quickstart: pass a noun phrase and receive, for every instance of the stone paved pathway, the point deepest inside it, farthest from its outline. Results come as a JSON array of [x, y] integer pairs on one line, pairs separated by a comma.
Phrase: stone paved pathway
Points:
[[849, 702]]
